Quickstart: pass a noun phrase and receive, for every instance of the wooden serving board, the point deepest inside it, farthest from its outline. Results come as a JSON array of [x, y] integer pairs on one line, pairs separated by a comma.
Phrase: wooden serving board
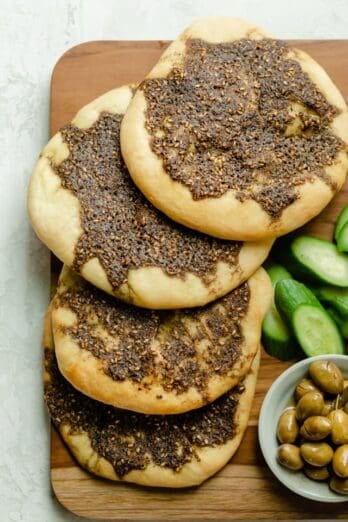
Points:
[[245, 488]]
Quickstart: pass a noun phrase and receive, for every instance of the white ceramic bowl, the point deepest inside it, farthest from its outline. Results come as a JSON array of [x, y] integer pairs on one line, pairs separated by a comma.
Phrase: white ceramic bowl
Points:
[[277, 399]]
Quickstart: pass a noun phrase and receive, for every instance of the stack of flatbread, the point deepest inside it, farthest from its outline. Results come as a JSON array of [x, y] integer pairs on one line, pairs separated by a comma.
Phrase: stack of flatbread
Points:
[[163, 200]]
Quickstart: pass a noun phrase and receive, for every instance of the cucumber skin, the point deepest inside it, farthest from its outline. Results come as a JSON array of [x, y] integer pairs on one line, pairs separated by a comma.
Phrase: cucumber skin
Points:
[[341, 220], [309, 349], [289, 294], [277, 273], [276, 338], [342, 239], [336, 297], [282, 351], [287, 257], [341, 322]]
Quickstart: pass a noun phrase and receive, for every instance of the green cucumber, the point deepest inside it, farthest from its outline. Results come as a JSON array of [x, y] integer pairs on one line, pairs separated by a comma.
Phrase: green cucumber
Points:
[[342, 239], [336, 297], [312, 326], [316, 259], [316, 332], [276, 336], [277, 273], [341, 220], [289, 294], [342, 322]]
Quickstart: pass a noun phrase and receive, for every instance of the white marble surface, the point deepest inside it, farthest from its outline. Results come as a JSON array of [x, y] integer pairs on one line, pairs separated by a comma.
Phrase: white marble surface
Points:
[[33, 34]]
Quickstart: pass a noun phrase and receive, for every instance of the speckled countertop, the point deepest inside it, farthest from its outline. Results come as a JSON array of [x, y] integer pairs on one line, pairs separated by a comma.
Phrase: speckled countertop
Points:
[[33, 35]]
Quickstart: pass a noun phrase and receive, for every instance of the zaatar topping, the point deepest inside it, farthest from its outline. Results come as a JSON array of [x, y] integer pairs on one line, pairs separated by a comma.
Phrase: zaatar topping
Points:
[[120, 227], [132, 441], [178, 362], [241, 116]]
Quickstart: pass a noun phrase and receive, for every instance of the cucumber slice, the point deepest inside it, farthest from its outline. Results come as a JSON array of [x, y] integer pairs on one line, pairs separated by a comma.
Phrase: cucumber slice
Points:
[[289, 294], [317, 260], [277, 273], [336, 297], [313, 328], [276, 336], [342, 239], [342, 220], [342, 322], [275, 329], [316, 332]]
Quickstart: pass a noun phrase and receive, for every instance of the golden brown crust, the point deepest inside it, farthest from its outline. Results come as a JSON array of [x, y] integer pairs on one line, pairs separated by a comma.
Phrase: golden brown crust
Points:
[[55, 214], [209, 459], [226, 216], [85, 371]]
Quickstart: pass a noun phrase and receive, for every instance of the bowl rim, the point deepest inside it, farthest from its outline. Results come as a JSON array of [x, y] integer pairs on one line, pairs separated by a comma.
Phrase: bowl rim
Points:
[[270, 460]]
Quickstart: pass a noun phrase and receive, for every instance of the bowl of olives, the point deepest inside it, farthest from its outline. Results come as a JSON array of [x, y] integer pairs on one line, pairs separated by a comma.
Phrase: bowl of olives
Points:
[[303, 428]]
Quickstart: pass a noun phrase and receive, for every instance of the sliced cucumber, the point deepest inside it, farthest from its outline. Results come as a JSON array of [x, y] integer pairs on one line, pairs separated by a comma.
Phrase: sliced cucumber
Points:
[[317, 260], [289, 294], [342, 239], [316, 331], [276, 336], [313, 328], [342, 220], [333, 296], [274, 330], [342, 322], [277, 273]]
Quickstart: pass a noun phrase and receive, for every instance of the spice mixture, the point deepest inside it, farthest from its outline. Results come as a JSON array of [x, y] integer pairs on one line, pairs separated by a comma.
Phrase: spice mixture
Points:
[[132, 441], [182, 362], [241, 116], [120, 227]]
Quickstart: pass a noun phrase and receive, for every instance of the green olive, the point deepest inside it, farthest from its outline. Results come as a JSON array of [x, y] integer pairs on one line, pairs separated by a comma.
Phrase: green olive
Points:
[[289, 457], [343, 398], [329, 405], [339, 421], [316, 473], [287, 429], [340, 461], [339, 485], [310, 404], [316, 428], [303, 387], [327, 376], [316, 453]]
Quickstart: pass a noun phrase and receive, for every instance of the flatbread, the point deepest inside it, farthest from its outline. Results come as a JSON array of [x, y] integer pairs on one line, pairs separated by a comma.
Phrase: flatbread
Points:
[[156, 362], [175, 451], [86, 209], [236, 134]]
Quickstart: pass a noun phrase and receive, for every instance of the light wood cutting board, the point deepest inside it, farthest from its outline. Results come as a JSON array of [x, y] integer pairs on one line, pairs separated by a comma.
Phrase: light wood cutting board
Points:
[[245, 488]]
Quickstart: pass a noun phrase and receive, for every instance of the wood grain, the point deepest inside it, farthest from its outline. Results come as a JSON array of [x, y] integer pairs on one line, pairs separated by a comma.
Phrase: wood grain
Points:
[[245, 488]]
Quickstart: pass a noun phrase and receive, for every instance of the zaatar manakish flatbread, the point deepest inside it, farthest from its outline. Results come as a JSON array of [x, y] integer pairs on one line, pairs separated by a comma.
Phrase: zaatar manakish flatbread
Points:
[[236, 134], [157, 362], [166, 451], [86, 209]]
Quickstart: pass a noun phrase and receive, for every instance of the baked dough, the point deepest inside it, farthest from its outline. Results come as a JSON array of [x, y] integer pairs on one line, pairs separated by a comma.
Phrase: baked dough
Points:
[[86, 209], [156, 362], [238, 157], [175, 451]]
